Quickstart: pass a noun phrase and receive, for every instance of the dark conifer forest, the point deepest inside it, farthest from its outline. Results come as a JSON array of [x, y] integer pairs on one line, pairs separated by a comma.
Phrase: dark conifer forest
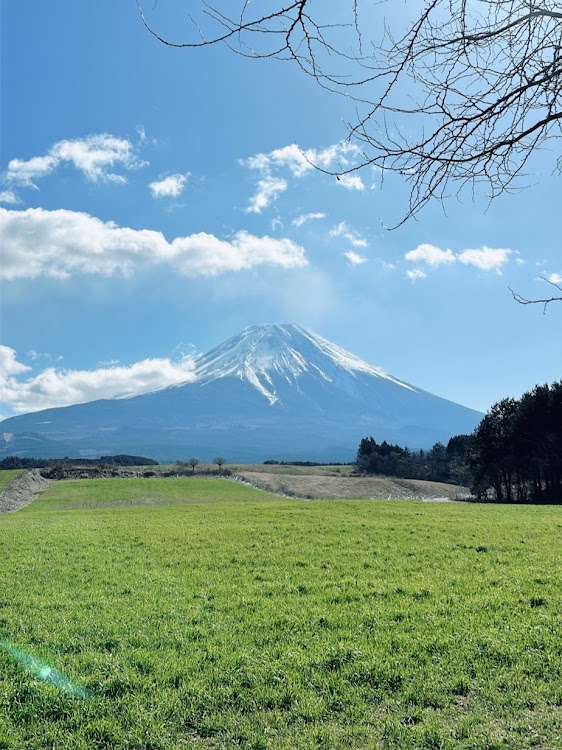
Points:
[[514, 455]]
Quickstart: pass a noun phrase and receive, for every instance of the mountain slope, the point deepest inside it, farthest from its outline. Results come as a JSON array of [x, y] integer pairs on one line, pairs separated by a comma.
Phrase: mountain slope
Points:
[[274, 391]]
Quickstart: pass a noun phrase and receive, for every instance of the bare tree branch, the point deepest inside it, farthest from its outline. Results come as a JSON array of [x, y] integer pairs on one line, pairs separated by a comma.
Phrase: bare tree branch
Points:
[[464, 95], [524, 301]]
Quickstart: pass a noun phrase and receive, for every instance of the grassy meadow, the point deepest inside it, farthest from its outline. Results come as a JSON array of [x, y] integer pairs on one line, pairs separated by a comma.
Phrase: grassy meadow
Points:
[[200, 613]]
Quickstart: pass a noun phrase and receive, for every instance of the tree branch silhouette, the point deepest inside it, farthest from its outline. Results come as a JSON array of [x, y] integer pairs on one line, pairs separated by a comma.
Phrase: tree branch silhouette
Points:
[[463, 96]]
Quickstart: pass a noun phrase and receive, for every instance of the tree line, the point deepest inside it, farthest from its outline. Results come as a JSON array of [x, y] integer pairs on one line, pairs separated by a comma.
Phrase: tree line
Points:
[[19, 462], [514, 455], [274, 462], [443, 463], [516, 451]]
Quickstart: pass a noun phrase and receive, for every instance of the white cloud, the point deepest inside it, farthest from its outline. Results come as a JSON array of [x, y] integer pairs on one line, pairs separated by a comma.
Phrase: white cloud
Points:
[[416, 273], [9, 365], [298, 162], [343, 230], [24, 172], [554, 278], [291, 157], [430, 254], [354, 258], [169, 187], [62, 243], [267, 191], [303, 218], [57, 387], [8, 196], [351, 182], [485, 258], [94, 156]]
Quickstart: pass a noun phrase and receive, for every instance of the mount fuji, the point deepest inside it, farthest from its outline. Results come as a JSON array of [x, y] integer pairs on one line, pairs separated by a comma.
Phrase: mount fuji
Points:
[[270, 392]]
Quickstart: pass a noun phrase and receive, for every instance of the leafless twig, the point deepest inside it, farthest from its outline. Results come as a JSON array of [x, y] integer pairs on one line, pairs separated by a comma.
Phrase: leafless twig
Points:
[[524, 301]]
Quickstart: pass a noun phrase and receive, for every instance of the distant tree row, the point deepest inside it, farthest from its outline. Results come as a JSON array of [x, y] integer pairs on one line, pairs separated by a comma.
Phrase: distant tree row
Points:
[[194, 462], [272, 462], [18, 462], [514, 455], [440, 464]]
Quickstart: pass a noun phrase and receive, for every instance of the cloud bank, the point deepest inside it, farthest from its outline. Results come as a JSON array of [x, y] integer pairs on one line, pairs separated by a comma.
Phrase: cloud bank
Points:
[[58, 387], [63, 243]]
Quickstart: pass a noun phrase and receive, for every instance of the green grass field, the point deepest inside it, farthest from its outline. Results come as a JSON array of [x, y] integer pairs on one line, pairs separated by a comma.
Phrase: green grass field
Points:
[[225, 618], [81, 494]]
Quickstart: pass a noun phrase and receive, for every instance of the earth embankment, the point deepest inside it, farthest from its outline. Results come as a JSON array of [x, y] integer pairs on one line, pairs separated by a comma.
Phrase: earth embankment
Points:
[[22, 489]]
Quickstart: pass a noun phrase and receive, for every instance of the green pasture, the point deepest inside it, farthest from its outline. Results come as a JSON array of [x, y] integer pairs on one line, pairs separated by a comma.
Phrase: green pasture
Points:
[[117, 492], [224, 618]]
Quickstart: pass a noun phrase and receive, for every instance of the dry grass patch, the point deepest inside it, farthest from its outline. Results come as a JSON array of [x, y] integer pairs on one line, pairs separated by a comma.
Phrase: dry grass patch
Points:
[[318, 486]]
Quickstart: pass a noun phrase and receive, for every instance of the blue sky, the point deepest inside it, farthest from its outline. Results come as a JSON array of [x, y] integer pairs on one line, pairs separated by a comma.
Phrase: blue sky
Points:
[[156, 201]]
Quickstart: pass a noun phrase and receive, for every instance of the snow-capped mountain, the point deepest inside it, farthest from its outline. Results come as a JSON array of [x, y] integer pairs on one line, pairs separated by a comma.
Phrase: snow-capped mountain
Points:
[[265, 354], [271, 391]]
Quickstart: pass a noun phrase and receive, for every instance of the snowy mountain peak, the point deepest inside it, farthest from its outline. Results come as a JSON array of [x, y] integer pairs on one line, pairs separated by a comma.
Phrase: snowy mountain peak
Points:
[[272, 391], [269, 356]]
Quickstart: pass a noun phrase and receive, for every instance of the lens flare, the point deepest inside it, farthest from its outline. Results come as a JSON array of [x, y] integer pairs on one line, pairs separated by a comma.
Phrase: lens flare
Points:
[[45, 672]]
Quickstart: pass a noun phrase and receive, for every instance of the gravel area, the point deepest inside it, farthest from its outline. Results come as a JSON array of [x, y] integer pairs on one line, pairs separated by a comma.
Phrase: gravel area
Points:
[[22, 490]]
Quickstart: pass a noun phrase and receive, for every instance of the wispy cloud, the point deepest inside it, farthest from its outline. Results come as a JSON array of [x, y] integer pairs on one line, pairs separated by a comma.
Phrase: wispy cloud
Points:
[[267, 191], [169, 187], [351, 182], [415, 274], [483, 258], [24, 173], [554, 278], [95, 156], [297, 162], [347, 233], [303, 218], [54, 387], [9, 197], [354, 258], [300, 161], [63, 243]]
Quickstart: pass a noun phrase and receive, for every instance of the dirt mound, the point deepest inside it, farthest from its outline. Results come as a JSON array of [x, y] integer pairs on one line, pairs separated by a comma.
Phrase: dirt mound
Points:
[[22, 490], [64, 471]]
